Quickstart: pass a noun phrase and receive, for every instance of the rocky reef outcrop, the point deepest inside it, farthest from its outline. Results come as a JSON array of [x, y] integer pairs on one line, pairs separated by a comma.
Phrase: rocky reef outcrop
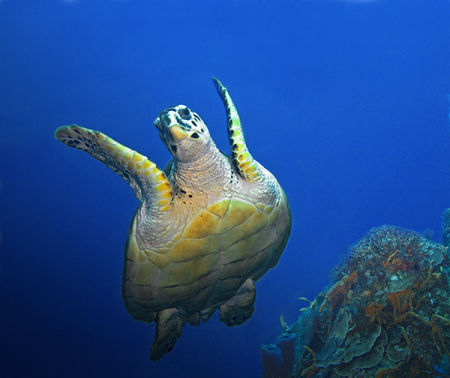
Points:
[[385, 314]]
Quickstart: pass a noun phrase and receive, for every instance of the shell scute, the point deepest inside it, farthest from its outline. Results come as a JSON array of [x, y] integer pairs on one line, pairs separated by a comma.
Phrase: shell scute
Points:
[[188, 249], [163, 250], [251, 226], [159, 260], [238, 212], [147, 292], [145, 272], [248, 247], [268, 209], [274, 214], [202, 224], [219, 208], [132, 249], [196, 291], [185, 272]]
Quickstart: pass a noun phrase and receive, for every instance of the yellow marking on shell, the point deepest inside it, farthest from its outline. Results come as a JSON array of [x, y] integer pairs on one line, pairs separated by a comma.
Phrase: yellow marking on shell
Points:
[[139, 166], [186, 272], [188, 249], [142, 255], [111, 147], [138, 157], [155, 170], [165, 208], [251, 226], [260, 206], [238, 212], [131, 165], [219, 208], [202, 224], [160, 261], [147, 173], [148, 164], [145, 273]]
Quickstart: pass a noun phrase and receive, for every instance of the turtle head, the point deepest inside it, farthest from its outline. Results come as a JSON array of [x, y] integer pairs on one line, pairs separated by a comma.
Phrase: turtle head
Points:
[[183, 132]]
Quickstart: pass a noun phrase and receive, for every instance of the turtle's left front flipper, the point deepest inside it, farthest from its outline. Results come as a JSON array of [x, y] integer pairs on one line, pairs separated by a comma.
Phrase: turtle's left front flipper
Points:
[[144, 177]]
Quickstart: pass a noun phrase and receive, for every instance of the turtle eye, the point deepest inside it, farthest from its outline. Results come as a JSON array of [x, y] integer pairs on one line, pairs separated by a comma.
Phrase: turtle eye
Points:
[[185, 113], [195, 136]]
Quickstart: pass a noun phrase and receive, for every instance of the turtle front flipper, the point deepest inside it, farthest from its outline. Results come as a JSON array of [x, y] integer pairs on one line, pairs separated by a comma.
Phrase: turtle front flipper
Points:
[[247, 167], [144, 177]]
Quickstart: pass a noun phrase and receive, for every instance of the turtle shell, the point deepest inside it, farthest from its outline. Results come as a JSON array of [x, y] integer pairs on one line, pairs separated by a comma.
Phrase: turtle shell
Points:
[[208, 260]]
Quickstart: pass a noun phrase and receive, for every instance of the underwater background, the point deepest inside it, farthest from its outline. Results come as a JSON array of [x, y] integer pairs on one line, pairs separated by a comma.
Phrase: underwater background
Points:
[[345, 102]]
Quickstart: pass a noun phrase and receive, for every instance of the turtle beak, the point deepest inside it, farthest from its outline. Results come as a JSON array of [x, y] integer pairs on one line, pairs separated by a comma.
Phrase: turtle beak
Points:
[[176, 133]]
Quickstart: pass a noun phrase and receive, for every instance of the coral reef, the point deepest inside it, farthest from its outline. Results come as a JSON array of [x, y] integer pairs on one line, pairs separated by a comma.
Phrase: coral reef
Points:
[[278, 359], [386, 313], [445, 235]]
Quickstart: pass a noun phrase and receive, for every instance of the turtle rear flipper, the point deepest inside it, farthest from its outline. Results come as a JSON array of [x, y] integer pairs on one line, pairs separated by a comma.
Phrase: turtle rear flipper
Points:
[[169, 323], [144, 177], [239, 308]]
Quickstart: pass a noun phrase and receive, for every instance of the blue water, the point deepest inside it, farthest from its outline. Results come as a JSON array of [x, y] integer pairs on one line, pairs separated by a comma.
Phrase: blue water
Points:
[[346, 102]]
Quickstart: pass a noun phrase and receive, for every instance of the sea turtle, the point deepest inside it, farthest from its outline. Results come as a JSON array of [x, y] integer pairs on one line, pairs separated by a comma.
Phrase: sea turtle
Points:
[[207, 227]]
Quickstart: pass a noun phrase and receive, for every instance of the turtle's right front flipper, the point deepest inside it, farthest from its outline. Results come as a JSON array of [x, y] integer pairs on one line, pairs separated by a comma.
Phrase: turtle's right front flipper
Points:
[[247, 167], [144, 177]]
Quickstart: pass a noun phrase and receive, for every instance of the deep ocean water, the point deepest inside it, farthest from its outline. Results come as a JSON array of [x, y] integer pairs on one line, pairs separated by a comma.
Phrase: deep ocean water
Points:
[[345, 102]]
